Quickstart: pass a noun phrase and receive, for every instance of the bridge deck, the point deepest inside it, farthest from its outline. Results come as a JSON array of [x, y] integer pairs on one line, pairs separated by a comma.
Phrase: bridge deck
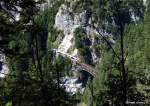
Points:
[[85, 66]]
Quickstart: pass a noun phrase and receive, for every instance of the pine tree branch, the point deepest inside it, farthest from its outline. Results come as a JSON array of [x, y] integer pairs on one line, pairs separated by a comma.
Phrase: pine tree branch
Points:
[[103, 37]]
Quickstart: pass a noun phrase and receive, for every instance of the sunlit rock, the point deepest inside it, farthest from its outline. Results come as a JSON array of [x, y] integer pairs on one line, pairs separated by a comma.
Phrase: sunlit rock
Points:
[[3, 66]]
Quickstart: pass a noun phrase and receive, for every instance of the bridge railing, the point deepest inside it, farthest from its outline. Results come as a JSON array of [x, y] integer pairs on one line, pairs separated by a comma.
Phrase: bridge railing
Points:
[[76, 60]]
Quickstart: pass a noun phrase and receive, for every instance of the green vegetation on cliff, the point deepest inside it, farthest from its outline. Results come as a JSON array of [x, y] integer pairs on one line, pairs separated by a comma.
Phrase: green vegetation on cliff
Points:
[[34, 71]]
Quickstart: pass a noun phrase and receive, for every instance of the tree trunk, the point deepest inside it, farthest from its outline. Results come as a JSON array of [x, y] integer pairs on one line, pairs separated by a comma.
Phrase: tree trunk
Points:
[[39, 67], [124, 79]]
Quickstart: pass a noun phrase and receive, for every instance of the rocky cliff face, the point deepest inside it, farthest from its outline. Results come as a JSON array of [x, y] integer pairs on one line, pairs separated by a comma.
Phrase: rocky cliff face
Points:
[[68, 21], [3, 66]]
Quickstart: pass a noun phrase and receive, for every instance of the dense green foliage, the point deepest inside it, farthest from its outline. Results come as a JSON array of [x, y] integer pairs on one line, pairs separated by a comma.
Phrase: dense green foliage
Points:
[[108, 84], [33, 67], [83, 45], [35, 70]]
